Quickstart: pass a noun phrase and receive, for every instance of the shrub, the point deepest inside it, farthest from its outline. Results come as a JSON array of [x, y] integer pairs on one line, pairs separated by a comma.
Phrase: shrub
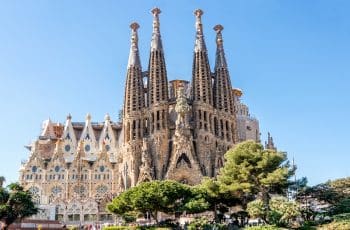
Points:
[[264, 227], [336, 225], [134, 228], [343, 216], [308, 225], [118, 228], [204, 223]]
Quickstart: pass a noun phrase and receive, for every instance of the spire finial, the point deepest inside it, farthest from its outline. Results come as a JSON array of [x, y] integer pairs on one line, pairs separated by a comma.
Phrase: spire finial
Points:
[[134, 59], [220, 54], [198, 14], [200, 44], [88, 117], [156, 43], [69, 116], [134, 26], [218, 28], [107, 117], [156, 11], [134, 38]]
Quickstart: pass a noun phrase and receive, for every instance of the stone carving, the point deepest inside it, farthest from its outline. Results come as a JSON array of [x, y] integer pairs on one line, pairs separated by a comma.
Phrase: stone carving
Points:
[[146, 163], [182, 108]]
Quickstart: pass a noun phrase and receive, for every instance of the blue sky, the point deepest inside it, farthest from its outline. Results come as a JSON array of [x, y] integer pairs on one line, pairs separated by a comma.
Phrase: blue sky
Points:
[[291, 58]]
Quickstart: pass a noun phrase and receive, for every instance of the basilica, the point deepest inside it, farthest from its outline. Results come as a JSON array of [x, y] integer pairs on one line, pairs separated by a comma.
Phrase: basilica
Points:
[[178, 130]]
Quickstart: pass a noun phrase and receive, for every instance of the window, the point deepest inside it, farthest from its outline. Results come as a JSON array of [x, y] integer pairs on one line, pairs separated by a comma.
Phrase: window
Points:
[[34, 169]]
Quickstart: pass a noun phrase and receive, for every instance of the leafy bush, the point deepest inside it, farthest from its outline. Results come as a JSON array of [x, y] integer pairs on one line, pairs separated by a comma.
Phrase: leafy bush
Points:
[[204, 223], [281, 211], [199, 223], [336, 225], [340, 217], [264, 227], [134, 228], [118, 228], [72, 227], [308, 225]]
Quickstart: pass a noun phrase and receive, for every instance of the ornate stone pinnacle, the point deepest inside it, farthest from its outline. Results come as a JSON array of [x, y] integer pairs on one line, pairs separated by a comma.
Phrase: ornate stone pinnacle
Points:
[[198, 12], [107, 117], [156, 11], [69, 117], [88, 117], [218, 28], [238, 92], [134, 26]]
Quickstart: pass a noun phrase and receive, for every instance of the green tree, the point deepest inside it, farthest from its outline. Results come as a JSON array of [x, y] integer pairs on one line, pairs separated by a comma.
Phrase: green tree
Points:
[[256, 209], [250, 170], [122, 206], [341, 186], [209, 196], [343, 206], [15, 203], [321, 193], [152, 197], [2, 180], [280, 213]]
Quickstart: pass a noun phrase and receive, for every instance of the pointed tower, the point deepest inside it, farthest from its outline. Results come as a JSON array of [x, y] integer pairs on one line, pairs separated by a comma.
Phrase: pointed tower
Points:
[[89, 140], [107, 142], [47, 129], [134, 108], [134, 99], [201, 82], [69, 141], [157, 80], [201, 75], [202, 109], [222, 91], [270, 144], [157, 100]]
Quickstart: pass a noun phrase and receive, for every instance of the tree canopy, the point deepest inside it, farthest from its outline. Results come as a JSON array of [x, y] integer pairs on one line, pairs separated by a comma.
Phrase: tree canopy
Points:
[[209, 195], [334, 193], [15, 203], [2, 180], [152, 197], [251, 170], [280, 213]]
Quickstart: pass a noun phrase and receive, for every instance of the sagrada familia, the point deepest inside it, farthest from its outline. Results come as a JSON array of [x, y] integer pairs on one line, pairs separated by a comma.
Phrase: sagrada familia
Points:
[[176, 130]]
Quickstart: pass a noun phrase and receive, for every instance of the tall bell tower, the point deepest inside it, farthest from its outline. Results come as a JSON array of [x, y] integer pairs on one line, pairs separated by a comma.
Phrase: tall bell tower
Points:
[[202, 97], [157, 100], [133, 117]]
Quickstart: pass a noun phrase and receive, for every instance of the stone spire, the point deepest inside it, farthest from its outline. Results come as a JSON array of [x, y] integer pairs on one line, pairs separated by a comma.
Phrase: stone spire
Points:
[[157, 86], [201, 75], [157, 81], [270, 144], [200, 44], [134, 99], [220, 54], [156, 43], [134, 57], [223, 98]]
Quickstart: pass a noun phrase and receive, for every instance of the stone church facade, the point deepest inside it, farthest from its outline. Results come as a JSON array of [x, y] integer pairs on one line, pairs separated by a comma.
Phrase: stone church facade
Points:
[[177, 130]]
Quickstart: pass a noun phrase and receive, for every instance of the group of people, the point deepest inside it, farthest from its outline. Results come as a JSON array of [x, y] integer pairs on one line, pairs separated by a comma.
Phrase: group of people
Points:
[[87, 227]]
